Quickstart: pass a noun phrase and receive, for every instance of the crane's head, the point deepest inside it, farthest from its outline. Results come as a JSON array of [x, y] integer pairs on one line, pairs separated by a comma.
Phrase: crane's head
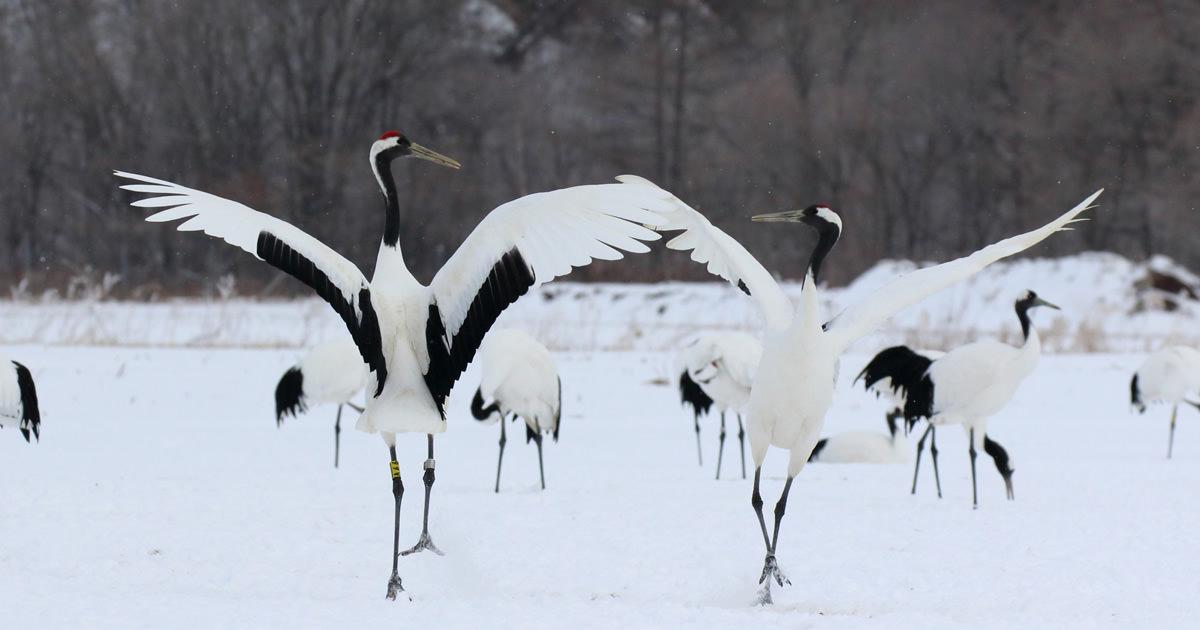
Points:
[[1031, 300], [820, 217], [393, 144]]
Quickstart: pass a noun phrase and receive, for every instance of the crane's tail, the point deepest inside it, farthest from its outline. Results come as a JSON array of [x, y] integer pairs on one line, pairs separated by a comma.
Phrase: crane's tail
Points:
[[289, 395]]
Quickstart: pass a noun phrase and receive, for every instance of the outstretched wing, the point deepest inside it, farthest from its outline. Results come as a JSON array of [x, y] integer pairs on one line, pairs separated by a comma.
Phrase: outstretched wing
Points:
[[519, 245], [280, 244], [864, 317], [723, 256]]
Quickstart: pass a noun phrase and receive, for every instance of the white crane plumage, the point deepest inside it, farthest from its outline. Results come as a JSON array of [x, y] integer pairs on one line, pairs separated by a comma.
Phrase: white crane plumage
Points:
[[1170, 375], [418, 339], [520, 378], [970, 384], [793, 386], [722, 365], [18, 400], [331, 373]]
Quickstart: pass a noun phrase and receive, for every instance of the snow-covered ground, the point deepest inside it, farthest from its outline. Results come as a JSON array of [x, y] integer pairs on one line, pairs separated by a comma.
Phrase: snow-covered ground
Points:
[[163, 495]]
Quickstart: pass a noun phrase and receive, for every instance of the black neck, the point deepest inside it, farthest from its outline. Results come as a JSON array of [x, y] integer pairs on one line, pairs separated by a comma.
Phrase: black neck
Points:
[[1023, 315], [828, 236], [391, 227]]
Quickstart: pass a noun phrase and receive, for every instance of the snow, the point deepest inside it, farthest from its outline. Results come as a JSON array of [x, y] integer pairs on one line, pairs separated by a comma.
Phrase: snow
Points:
[[1104, 310], [163, 495]]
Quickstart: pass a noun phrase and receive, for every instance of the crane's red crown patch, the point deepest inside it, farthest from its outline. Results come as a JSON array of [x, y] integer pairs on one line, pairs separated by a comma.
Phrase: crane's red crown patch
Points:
[[389, 134]]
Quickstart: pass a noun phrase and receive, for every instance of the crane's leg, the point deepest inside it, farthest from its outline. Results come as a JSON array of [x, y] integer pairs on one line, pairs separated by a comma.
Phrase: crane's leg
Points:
[[503, 441], [974, 487], [933, 451], [699, 451], [1171, 438], [337, 437], [920, 448], [721, 445], [742, 443], [425, 543], [394, 584], [537, 439], [771, 569]]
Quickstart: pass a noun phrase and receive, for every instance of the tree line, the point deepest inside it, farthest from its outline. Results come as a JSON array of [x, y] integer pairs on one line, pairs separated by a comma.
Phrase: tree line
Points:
[[933, 126]]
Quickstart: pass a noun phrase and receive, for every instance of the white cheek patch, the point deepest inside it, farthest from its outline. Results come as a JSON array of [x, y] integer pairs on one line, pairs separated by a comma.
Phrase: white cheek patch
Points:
[[829, 215]]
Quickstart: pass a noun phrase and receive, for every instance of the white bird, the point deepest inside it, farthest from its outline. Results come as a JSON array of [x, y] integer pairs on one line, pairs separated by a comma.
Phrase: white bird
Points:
[[904, 374], [793, 386], [520, 378], [418, 339], [18, 400], [331, 373], [857, 447], [721, 364], [1169, 375]]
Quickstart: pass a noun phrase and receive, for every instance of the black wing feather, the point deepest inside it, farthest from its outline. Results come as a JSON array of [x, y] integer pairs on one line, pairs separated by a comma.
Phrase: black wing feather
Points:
[[364, 329], [510, 278], [289, 395]]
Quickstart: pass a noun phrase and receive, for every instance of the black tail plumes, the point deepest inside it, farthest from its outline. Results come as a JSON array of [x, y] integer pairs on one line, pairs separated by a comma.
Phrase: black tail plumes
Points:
[[289, 395], [31, 417], [691, 395], [558, 412], [1135, 395], [480, 412], [906, 370]]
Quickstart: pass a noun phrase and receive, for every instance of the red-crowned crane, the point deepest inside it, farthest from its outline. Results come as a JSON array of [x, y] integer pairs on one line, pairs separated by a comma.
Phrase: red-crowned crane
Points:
[[793, 386], [520, 378], [1170, 375], [417, 339], [18, 400], [331, 373], [721, 365]]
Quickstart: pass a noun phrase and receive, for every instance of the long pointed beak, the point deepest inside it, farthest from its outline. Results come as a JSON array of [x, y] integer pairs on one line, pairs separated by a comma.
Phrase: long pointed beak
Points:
[[419, 151], [787, 216], [1041, 302]]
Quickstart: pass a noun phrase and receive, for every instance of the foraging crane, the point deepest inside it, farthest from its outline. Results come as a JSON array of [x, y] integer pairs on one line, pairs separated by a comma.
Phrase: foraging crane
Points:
[[331, 373], [18, 400], [520, 378], [905, 374], [857, 447], [793, 386], [418, 339], [1169, 375], [721, 365]]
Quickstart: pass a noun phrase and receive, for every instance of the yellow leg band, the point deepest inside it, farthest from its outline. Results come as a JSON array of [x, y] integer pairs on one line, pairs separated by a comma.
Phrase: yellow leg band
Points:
[[395, 469]]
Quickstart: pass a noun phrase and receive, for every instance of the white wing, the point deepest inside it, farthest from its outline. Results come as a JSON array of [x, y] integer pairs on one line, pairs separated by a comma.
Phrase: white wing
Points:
[[520, 245], [278, 243], [741, 353], [724, 257], [864, 317]]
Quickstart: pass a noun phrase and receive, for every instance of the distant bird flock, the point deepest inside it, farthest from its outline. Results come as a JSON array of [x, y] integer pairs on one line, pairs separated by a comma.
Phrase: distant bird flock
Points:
[[409, 343]]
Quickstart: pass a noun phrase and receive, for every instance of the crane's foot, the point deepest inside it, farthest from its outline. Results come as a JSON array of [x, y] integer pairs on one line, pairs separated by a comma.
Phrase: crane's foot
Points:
[[764, 596], [771, 571], [425, 543], [395, 587]]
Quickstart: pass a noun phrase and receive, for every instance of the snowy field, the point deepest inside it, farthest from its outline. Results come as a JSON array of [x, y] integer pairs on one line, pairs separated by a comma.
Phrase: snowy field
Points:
[[163, 495]]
